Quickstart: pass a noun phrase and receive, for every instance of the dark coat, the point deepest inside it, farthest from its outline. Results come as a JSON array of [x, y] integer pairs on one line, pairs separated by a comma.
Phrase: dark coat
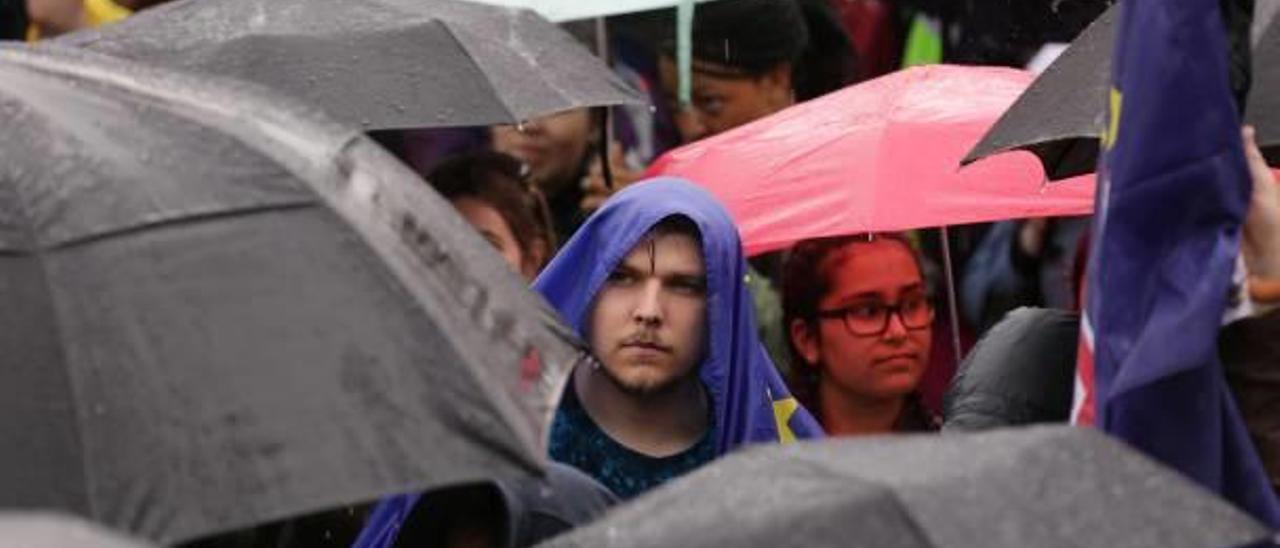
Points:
[[1022, 372], [1250, 350]]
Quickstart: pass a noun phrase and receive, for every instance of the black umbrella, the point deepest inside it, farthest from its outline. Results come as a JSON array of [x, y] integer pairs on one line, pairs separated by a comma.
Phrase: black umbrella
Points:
[[1061, 115], [1047, 486], [380, 64], [217, 309], [42, 530], [1021, 372], [1263, 110]]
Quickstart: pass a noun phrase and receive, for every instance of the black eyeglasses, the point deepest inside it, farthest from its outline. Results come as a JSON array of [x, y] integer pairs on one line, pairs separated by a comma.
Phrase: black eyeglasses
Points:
[[870, 319]]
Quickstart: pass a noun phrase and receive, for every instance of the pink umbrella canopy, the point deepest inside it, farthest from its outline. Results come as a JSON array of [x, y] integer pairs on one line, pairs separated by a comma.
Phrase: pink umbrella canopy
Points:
[[882, 155]]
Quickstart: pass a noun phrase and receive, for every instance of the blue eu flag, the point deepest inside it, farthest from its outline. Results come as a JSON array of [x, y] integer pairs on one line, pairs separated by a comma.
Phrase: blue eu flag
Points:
[[1175, 189]]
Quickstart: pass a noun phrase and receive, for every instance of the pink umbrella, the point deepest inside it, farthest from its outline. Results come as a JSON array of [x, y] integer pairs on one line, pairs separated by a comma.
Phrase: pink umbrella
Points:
[[882, 155]]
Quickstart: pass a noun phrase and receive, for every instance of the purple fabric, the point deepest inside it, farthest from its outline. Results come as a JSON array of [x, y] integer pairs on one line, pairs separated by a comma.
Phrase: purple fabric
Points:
[[1175, 190], [737, 372]]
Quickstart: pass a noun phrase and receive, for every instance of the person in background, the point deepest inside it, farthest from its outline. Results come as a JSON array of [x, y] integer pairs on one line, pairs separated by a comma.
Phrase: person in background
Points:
[[557, 151], [860, 320], [1026, 262], [752, 58], [490, 192], [48, 18], [487, 514]]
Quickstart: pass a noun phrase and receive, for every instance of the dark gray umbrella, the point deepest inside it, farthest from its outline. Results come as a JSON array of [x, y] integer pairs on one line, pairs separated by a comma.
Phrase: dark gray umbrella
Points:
[[1047, 486], [1263, 110], [380, 64], [1021, 372], [217, 309], [1061, 114], [42, 530]]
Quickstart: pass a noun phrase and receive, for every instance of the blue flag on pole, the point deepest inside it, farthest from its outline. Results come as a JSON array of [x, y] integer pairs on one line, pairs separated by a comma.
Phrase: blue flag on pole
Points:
[[1175, 189]]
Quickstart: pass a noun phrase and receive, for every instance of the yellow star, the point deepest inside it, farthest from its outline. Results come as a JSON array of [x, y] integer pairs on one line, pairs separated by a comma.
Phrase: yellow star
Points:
[[1113, 121], [782, 412]]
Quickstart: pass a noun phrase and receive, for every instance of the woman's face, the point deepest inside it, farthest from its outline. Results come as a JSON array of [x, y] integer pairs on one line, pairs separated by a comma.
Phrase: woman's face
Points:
[[866, 277], [553, 147], [489, 222], [720, 102]]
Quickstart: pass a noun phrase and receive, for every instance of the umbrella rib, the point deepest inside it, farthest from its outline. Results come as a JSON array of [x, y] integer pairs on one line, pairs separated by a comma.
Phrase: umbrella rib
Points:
[[191, 218], [38, 254], [493, 90], [917, 530]]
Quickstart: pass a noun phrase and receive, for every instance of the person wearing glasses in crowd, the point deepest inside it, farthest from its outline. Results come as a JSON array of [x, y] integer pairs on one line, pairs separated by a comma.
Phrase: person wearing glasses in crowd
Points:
[[859, 318]]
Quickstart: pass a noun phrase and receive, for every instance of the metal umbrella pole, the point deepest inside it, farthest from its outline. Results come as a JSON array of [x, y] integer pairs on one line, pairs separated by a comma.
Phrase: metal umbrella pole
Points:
[[952, 307]]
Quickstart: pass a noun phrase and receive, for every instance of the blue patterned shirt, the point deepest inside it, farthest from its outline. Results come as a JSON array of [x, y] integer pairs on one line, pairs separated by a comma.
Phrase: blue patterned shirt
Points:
[[576, 440]]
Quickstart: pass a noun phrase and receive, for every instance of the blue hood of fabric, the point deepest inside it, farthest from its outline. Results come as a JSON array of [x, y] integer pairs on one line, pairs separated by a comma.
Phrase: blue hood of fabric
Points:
[[751, 402]]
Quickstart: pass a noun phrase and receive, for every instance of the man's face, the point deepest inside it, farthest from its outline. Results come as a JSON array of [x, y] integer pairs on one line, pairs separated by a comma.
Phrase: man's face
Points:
[[553, 147], [720, 102], [649, 323], [885, 365]]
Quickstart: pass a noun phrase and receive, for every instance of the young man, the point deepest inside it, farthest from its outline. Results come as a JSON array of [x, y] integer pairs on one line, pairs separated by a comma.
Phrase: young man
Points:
[[654, 281]]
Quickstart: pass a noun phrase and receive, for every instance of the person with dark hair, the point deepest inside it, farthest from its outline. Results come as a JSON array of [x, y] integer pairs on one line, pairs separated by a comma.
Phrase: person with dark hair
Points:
[[489, 190], [752, 58], [488, 514], [557, 150], [860, 321], [654, 282]]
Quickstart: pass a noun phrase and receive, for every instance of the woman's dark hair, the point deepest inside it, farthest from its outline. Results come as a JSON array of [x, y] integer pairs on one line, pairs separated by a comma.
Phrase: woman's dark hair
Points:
[[752, 37], [806, 278], [497, 180]]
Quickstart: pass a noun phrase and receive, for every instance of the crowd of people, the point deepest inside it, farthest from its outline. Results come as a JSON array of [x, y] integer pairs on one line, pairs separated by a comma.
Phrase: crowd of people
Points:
[[700, 349]]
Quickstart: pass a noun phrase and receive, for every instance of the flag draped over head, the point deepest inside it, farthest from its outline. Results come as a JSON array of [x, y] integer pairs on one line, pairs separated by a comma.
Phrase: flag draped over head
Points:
[[1175, 189], [751, 402]]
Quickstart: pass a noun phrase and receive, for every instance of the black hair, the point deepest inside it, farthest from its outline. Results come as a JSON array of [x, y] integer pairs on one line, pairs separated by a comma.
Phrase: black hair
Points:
[[753, 37], [676, 224]]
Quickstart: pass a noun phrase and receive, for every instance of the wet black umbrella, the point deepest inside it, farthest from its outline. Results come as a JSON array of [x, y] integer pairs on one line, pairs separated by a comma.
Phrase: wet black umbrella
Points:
[[1263, 109], [42, 530], [379, 64], [1021, 372], [217, 309], [1061, 115], [1047, 486]]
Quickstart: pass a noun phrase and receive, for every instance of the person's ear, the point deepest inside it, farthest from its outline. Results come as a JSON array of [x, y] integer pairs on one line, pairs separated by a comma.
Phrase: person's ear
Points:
[[804, 338], [778, 86]]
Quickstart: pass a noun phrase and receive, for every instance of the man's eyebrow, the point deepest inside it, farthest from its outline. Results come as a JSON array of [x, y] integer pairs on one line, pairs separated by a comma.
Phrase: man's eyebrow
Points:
[[687, 277], [625, 268]]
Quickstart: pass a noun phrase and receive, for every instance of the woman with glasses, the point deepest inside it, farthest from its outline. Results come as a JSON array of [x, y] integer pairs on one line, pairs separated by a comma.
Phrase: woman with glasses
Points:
[[859, 319]]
